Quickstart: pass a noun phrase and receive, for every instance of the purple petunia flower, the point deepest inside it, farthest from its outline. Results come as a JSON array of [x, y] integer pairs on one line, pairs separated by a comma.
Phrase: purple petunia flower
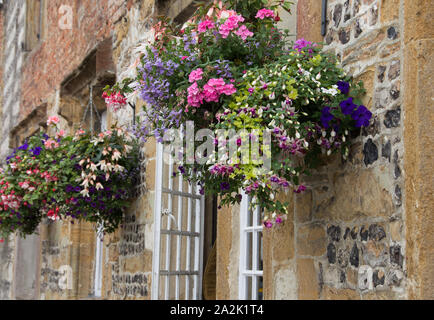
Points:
[[326, 117], [224, 186], [347, 106], [344, 87], [362, 116], [36, 151]]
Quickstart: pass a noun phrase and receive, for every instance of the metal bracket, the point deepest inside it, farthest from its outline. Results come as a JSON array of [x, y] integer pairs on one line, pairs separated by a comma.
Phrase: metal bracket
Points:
[[133, 106], [324, 18]]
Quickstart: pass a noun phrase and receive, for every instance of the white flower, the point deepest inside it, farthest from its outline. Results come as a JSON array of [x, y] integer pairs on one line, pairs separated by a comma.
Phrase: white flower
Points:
[[93, 166], [85, 183], [99, 186], [85, 192], [102, 164], [116, 155], [118, 168]]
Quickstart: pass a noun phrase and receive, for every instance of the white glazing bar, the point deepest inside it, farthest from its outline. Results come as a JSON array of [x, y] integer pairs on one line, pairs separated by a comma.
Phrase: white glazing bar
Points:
[[255, 254], [196, 249], [155, 294], [242, 285], [178, 240], [188, 250], [201, 238], [98, 265], [169, 226]]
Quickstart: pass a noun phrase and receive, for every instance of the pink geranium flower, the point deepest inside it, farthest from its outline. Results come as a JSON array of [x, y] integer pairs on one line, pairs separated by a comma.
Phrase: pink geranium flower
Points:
[[230, 24], [195, 75], [243, 32], [265, 13], [205, 25], [50, 144], [195, 96], [52, 120]]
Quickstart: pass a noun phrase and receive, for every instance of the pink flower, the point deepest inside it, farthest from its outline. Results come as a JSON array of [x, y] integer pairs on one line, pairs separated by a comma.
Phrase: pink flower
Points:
[[115, 101], [50, 144], [213, 89], [195, 75], [60, 134], [243, 32], [229, 89], [195, 96], [230, 24], [52, 120], [184, 57], [268, 224], [204, 25], [265, 13]]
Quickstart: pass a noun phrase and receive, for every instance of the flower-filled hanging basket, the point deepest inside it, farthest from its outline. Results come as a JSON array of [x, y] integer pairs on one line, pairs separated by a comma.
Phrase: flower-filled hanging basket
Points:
[[231, 71]]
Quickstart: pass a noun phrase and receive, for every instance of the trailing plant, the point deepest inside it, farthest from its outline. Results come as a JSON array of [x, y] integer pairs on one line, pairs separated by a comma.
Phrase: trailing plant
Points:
[[80, 177], [230, 69]]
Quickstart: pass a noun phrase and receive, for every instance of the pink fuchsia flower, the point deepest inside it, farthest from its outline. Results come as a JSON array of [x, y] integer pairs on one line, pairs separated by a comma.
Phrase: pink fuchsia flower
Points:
[[279, 220], [53, 120], [300, 189], [243, 32], [205, 25], [268, 224], [50, 144], [195, 96], [115, 101], [195, 75], [265, 13]]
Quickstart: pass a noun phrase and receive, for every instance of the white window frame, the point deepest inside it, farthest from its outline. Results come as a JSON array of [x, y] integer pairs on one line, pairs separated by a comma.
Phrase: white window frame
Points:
[[247, 253], [195, 199], [99, 248]]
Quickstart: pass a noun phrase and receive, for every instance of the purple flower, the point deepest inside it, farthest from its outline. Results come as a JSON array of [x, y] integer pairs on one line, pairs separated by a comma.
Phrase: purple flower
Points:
[[268, 224], [344, 87], [36, 151], [77, 189], [362, 116], [224, 186], [347, 106], [251, 90], [181, 169], [326, 117], [69, 188], [25, 146]]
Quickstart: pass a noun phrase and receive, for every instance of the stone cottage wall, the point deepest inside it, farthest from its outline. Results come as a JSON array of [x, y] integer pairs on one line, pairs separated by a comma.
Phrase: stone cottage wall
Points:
[[363, 229], [347, 235], [12, 22]]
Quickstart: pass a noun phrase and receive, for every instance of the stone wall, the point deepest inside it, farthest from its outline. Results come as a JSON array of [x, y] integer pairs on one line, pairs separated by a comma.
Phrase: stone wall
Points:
[[12, 30], [418, 70], [362, 229], [345, 238]]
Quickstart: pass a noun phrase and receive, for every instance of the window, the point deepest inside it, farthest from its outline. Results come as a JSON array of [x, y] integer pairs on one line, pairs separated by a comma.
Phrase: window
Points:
[[251, 254], [99, 238], [178, 235]]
